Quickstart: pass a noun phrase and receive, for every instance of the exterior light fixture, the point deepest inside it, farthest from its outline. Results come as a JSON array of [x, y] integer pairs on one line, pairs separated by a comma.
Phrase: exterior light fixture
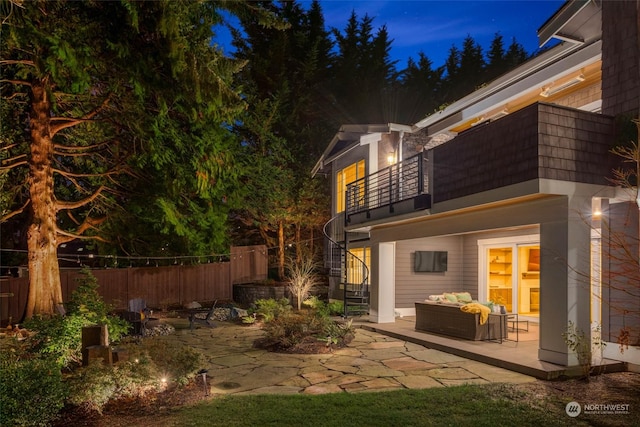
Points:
[[391, 159], [551, 90], [203, 372]]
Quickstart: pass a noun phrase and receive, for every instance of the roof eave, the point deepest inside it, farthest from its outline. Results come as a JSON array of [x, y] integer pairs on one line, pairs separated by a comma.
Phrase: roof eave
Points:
[[554, 25]]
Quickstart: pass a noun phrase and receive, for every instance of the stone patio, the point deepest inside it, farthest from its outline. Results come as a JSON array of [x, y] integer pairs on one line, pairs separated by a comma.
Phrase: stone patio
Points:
[[371, 362]]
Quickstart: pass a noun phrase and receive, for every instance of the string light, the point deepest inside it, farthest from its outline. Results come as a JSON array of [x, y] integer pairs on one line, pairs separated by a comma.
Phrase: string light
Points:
[[158, 260]]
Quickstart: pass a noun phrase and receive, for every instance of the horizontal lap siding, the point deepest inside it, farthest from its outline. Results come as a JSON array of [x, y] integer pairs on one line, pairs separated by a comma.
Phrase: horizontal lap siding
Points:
[[462, 269], [412, 286]]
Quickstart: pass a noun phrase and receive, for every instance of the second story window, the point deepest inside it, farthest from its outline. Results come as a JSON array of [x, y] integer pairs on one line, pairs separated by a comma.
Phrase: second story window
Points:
[[344, 177]]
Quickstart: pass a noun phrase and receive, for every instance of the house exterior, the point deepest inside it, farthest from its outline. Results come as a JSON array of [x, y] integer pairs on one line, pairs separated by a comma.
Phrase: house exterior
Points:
[[512, 184]]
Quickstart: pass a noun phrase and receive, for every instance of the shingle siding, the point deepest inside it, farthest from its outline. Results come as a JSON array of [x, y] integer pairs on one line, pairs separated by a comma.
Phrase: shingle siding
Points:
[[620, 58], [539, 141]]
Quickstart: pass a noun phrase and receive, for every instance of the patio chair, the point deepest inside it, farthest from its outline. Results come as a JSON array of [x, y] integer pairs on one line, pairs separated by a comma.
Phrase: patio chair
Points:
[[204, 316], [137, 315]]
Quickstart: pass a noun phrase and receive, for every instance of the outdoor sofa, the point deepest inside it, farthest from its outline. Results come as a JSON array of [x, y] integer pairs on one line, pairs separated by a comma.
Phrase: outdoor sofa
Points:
[[446, 318]]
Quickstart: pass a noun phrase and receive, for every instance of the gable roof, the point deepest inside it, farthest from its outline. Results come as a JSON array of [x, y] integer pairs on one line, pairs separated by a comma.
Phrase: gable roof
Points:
[[348, 137]]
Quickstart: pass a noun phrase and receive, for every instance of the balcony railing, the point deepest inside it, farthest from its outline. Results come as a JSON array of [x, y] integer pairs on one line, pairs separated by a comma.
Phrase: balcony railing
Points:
[[386, 187]]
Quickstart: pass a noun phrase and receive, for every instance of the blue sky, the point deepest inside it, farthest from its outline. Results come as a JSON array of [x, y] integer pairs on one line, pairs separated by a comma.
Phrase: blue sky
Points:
[[433, 26]]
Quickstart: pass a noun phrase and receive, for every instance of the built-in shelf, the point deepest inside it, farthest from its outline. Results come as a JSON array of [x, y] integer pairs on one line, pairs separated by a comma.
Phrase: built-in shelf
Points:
[[531, 275]]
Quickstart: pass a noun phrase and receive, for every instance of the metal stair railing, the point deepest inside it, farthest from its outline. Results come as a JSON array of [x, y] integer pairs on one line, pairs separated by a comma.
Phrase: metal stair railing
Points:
[[357, 292]]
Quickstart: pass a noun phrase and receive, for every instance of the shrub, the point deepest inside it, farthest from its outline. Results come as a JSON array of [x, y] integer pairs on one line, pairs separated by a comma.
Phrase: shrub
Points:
[[287, 330], [57, 337], [290, 329], [61, 336], [336, 308], [31, 390], [332, 308], [93, 386], [149, 363], [318, 305], [271, 309], [577, 342], [339, 331], [87, 302], [168, 360]]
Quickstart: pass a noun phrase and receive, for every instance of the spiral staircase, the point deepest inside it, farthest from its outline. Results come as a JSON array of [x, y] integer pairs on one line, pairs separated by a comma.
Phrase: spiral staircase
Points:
[[348, 270]]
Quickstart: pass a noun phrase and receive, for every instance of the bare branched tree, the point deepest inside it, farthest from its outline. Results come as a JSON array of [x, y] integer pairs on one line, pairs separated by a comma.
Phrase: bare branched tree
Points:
[[303, 277]]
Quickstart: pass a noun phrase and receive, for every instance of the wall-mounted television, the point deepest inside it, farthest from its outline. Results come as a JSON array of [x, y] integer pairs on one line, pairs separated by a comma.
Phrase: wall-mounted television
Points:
[[430, 261]]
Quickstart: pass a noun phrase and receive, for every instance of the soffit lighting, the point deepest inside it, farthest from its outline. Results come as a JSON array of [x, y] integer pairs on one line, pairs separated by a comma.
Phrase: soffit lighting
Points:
[[552, 90], [495, 116]]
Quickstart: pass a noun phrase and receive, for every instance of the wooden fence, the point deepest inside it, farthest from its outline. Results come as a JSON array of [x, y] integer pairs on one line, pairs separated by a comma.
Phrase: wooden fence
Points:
[[158, 286]]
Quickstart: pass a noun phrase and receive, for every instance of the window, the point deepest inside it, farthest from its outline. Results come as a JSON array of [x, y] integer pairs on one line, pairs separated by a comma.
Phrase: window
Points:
[[356, 272], [344, 177]]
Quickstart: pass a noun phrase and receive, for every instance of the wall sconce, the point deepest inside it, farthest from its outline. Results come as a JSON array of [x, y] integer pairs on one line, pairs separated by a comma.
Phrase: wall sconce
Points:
[[391, 159]]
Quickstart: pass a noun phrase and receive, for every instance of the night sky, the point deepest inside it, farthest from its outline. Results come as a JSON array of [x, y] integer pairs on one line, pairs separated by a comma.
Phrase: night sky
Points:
[[433, 26]]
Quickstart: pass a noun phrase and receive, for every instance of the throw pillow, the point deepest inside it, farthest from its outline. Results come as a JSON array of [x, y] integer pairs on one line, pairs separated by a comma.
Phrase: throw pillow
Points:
[[450, 297], [464, 297]]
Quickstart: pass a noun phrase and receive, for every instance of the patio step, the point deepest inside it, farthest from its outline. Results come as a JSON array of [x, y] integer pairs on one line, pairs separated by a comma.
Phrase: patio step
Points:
[[357, 303]]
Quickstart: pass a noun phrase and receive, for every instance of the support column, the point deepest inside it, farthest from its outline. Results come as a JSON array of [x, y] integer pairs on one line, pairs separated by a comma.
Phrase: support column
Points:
[[565, 278], [383, 284]]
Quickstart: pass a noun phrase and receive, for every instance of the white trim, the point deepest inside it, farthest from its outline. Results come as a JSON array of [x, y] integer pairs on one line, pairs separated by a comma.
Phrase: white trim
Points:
[[525, 238], [593, 107], [612, 351], [512, 242], [384, 312], [371, 164], [370, 138]]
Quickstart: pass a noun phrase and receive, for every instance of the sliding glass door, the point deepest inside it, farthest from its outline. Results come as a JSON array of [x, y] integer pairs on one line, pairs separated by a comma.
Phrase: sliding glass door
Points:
[[512, 277]]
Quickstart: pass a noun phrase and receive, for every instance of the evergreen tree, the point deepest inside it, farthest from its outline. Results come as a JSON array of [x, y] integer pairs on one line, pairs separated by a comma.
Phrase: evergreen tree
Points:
[[515, 55], [117, 106], [470, 73], [420, 89], [362, 71], [286, 126], [496, 61], [452, 70]]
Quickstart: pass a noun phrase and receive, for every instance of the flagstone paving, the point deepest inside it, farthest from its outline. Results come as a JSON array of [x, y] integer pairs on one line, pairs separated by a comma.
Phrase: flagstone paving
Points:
[[371, 362]]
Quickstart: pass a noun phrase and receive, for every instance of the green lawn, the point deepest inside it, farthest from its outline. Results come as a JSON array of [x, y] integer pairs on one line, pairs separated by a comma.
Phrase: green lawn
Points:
[[493, 405]]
